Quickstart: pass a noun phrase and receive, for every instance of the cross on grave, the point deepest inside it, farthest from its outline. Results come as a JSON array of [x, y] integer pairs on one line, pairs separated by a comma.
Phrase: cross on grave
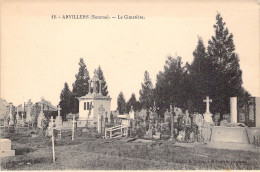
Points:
[[59, 110], [207, 101]]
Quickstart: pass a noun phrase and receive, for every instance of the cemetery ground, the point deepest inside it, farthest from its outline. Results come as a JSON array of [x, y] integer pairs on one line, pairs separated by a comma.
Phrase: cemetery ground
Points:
[[88, 151]]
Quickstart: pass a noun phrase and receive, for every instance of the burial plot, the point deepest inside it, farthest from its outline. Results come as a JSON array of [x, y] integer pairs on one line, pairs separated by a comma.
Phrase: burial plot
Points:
[[6, 148], [234, 138]]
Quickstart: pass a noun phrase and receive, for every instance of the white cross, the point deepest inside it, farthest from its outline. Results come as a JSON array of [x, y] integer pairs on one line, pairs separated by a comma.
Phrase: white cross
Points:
[[59, 110], [207, 101]]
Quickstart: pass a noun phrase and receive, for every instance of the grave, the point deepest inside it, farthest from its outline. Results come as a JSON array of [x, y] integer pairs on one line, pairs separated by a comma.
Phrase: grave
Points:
[[58, 120], [207, 115], [10, 115], [233, 135], [208, 122], [94, 107], [28, 113], [233, 138], [6, 148]]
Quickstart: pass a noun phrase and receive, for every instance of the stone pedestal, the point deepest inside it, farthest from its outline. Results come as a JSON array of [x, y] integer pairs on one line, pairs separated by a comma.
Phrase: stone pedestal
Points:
[[58, 121], [6, 148], [208, 117], [233, 109]]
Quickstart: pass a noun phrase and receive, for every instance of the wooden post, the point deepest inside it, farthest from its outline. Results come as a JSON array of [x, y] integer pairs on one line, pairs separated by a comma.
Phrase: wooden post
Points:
[[105, 133], [110, 133], [52, 138], [73, 127]]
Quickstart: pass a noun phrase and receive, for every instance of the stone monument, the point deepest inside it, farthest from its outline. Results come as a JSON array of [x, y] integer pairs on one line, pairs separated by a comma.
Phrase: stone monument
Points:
[[89, 113], [41, 116], [10, 115], [58, 120], [6, 148], [207, 115], [233, 109], [28, 113]]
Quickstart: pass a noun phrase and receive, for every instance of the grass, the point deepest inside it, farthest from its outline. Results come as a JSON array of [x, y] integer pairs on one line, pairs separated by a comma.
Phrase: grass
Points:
[[88, 153]]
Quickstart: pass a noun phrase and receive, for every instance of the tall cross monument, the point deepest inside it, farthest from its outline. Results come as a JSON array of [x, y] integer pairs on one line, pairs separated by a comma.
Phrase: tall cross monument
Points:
[[207, 101], [207, 115]]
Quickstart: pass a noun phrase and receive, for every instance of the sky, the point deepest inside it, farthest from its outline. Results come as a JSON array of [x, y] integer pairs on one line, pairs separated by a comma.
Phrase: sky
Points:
[[39, 54]]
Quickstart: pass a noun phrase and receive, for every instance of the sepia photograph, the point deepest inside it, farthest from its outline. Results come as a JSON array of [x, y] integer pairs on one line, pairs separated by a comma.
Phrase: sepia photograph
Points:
[[130, 85]]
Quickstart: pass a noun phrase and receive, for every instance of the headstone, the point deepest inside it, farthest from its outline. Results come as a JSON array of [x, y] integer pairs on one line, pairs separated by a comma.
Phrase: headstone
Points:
[[216, 119], [28, 113], [58, 120], [233, 109], [6, 148], [41, 116], [10, 115], [207, 115], [199, 120]]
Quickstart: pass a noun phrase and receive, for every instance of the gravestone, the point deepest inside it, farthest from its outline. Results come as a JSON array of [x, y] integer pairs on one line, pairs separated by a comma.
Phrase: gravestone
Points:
[[207, 115], [41, 117], [233, 109], [58, 120], [28, 113], [199, 121], [6, 148], [10, 115], [216, 119]]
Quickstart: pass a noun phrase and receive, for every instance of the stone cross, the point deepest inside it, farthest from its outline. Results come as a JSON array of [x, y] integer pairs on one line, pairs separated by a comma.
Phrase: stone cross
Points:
[[59, 110], [207, 101]]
